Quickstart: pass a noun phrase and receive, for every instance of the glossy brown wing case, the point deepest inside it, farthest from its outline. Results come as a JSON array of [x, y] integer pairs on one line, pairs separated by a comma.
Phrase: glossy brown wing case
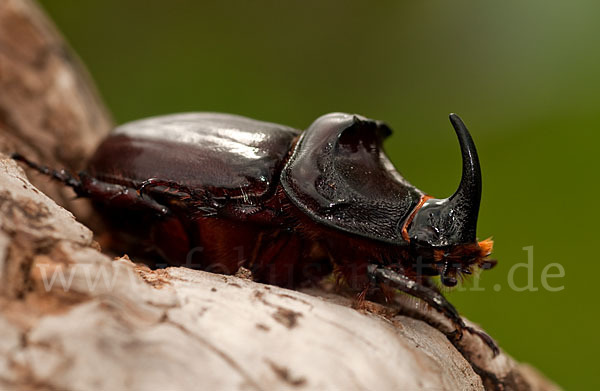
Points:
[[226, 154]]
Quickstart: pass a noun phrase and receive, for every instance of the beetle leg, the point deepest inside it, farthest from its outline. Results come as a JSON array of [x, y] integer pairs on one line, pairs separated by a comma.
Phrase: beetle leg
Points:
[[205, 204], [171, 186], [62, 175], [432, 297], [88, 186], [118, 195]]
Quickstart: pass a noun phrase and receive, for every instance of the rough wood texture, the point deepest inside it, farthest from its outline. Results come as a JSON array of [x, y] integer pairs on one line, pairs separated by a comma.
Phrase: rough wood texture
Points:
[[74, 319]]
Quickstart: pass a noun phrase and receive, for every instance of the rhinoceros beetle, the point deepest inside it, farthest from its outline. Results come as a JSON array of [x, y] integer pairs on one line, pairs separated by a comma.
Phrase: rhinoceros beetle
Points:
[[220, 191]]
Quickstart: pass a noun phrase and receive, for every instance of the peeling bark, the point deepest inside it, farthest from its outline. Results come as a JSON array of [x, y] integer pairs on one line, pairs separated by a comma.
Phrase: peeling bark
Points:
[[73, 318]]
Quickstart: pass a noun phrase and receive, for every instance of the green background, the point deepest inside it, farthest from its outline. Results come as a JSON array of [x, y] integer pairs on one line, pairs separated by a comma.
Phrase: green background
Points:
[[524, 75]]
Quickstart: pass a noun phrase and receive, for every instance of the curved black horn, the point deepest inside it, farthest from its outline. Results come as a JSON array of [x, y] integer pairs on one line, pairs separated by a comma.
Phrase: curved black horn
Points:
[[465, 201]]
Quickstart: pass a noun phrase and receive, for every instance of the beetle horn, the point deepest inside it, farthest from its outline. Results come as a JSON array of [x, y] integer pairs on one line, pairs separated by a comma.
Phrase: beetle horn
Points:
[[453, 220], [465, 201]]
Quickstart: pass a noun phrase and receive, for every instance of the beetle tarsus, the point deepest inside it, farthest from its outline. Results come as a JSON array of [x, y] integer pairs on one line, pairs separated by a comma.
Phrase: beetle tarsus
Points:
[[62, 176], [430, 296], [89, 186]]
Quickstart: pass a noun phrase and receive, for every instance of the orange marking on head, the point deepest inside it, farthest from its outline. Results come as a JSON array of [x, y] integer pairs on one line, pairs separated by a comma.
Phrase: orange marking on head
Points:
[[438, 255], [486, 246], [412, 216]]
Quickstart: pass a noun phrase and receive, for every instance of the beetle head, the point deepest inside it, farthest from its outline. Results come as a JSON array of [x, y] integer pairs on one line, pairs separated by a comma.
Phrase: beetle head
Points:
[[339, 176], [445, 229]]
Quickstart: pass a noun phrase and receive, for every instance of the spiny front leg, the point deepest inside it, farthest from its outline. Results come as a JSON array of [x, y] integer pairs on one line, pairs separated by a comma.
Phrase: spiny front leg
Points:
[[429, 295]]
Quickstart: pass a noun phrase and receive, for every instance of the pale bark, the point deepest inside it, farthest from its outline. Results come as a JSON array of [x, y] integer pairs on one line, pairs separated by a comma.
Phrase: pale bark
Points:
[[111, 324]]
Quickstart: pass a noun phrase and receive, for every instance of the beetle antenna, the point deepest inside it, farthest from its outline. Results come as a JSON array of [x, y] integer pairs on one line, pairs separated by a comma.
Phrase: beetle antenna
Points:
[[61, 176]]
